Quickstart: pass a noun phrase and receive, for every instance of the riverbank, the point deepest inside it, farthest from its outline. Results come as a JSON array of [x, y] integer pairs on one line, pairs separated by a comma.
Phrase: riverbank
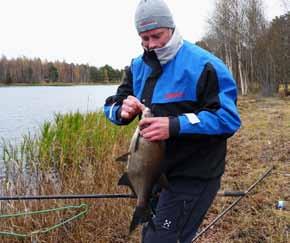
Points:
[[83, 149]]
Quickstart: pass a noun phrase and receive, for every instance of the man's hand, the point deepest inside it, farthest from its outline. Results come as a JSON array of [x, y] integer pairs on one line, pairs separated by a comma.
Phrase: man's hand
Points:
[[131, 107], [154, 128]]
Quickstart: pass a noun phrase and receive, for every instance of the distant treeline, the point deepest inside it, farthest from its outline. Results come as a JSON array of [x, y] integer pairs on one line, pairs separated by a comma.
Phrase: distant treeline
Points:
[[256, 51], [28, 71]]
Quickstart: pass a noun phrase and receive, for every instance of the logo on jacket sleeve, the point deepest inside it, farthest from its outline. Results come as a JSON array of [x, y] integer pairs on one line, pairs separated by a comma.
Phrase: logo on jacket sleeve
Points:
[[174, 95]]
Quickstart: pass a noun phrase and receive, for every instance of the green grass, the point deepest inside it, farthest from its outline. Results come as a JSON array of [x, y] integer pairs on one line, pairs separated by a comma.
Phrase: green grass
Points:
[[70, 140]]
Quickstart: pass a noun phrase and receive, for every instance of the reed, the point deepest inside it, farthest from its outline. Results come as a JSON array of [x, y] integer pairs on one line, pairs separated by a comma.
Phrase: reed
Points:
[[76, 154]]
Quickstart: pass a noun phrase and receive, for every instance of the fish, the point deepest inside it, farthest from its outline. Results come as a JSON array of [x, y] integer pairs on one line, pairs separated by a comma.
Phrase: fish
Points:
[[144, 170]]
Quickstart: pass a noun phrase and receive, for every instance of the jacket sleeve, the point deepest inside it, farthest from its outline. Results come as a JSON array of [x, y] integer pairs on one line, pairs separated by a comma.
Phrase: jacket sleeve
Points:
[[113, 103], [217, 113]]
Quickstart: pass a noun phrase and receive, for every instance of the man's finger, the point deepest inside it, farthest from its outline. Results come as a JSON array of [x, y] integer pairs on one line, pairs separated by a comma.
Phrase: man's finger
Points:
[[146, 121], [150, 135], [136, 102], [142, 107], [130, 103], [146, 130], [125, 114], [128, 109]]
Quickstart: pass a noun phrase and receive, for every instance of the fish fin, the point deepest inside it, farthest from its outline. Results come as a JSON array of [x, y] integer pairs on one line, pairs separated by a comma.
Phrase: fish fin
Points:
[[123, 158], [124, 181], [137, 142], [163, 181], [141, 215]]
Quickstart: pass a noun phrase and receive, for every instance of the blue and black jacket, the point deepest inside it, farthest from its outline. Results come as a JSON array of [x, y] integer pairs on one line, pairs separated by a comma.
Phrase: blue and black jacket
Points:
[[199, 95]]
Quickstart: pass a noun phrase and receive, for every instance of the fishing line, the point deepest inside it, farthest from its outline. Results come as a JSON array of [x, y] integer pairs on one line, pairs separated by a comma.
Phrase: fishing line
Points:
[[82, 206]]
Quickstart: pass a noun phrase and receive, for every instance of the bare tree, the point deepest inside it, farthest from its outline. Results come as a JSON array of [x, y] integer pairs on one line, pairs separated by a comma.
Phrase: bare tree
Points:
[[24, 70], [235, 27], [228, 27]]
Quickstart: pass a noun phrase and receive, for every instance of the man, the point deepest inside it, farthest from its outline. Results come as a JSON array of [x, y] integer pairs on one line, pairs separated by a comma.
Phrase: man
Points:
[[193, 98]]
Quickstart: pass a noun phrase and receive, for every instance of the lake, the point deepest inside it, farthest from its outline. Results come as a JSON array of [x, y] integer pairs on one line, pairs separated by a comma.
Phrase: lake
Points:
[[24, 109]]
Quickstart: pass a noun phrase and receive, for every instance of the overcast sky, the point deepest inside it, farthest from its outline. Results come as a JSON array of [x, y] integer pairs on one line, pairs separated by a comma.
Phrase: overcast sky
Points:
[[94, 32]]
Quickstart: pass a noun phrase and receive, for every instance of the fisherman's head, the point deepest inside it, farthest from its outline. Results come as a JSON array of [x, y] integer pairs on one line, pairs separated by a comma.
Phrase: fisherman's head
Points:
[[154, 23]]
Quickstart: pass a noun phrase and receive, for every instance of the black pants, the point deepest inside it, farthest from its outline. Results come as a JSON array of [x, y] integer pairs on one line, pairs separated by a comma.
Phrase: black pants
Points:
[[180, 210]]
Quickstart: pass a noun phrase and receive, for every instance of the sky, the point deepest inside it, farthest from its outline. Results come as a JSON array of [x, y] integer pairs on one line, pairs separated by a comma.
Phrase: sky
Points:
[[94, 32]]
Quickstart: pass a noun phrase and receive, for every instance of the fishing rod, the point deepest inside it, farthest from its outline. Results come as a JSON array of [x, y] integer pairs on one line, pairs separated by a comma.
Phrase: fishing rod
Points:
[[72, 196], [96, 196], [233, 204], [231, 193]]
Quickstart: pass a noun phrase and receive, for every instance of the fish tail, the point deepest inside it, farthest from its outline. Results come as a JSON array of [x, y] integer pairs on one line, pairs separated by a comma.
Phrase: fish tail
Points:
[[141, 215]]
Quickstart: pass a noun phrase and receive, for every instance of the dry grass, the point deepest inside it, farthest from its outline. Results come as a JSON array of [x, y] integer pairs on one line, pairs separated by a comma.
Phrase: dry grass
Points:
[[263, 140]]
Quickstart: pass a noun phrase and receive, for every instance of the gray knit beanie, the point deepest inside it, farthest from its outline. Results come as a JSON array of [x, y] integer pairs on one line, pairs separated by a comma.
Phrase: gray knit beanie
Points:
[[153, 14]]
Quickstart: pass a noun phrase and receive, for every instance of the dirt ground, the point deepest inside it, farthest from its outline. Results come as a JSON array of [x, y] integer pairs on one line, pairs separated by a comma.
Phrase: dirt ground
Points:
[[263, 141]]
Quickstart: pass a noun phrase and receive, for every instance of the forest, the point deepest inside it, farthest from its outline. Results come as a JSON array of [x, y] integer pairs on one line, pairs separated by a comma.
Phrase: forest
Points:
[[256, 51], [23, 70]]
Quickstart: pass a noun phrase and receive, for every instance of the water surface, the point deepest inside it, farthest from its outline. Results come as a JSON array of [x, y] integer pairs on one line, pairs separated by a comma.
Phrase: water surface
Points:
[[24, 109]]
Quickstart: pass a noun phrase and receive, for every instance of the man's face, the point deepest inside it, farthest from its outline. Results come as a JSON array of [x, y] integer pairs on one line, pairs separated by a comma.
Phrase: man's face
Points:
[[156, 38]]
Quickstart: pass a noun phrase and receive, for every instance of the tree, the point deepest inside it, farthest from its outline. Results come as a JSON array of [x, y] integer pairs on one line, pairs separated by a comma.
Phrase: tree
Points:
[[8, 78], [93, 74], [203, 44], [24, 70], [280, 49], [106, 75], [235, 27], [52, 72]]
